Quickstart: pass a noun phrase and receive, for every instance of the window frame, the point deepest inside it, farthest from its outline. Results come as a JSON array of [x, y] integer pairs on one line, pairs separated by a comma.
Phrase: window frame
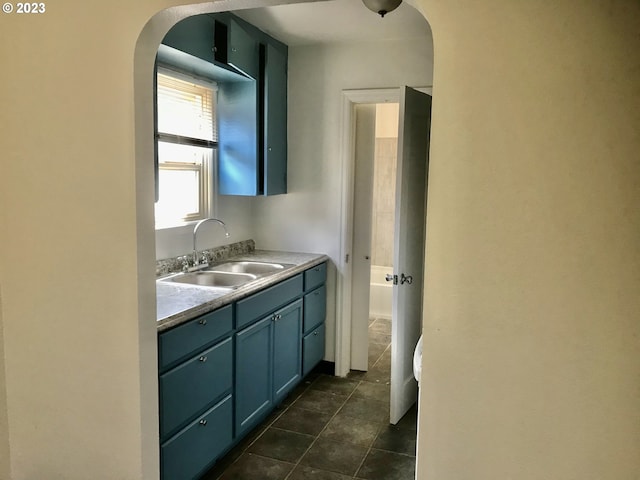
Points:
[[207, 167]]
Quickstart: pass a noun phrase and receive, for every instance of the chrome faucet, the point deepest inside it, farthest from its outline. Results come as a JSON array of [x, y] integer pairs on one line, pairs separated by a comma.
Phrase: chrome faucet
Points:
[[196, 262]]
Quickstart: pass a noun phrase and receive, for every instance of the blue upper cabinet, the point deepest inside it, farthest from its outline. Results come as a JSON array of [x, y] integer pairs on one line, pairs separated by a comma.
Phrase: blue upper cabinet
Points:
[[250, 69], [238, 168], [256, 166], [194, 36], [275, 121], [243, 50]]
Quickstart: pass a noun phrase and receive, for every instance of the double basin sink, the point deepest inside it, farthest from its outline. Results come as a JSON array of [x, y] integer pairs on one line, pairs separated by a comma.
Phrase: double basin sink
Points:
[[228, 275]]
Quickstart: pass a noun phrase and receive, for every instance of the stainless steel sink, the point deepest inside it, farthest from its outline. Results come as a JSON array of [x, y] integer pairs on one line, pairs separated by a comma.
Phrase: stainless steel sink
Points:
[[249, 267], [209, 278]]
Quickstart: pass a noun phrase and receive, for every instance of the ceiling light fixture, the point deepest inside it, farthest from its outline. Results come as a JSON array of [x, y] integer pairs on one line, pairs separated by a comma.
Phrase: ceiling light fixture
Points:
[[382, 7]]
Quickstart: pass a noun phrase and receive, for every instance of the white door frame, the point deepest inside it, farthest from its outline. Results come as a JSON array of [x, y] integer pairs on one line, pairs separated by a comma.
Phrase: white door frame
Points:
[[347, 168], [343, 291]]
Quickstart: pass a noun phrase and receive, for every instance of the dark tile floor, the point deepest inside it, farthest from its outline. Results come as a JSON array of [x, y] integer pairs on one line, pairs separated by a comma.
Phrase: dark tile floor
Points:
[[331, 428]]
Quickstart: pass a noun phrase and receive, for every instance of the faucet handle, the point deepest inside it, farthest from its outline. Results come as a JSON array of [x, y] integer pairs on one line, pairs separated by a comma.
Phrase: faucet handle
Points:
[[185, 262]]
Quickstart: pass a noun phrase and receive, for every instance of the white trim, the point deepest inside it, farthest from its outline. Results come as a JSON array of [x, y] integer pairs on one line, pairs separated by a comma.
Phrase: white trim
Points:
[[343, 289], [347, 154]]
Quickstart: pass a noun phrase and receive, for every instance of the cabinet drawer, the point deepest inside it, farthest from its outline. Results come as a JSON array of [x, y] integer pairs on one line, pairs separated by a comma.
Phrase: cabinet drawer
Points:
[[182, 341], [196, 447], [187, 389], [312, 349], [263, 303], [315, 308], [315, 276]]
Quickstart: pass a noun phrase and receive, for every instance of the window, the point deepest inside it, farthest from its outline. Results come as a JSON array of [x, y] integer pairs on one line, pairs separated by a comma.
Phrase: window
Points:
[[187, 140]]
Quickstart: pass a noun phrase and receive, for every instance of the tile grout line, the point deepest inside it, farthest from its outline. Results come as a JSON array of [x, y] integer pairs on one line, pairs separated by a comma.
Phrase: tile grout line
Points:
[[244, 450], [355, 477], [317, 437], [335, 414], [323, 428]]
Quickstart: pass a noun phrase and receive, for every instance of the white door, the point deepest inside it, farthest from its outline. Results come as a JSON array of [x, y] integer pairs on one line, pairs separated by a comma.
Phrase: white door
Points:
[[365, 143], [409, 245]]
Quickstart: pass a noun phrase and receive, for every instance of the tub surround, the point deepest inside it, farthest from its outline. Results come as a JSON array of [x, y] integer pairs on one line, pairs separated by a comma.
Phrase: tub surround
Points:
[[178, 303]]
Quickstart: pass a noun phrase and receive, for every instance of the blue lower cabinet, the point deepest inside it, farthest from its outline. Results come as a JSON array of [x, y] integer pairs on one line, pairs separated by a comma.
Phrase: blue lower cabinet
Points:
[[315, 308], [287, 350], [217, 382], [315, 276], [253, 374], [178, 344], [186, 455], [188, 389], [268, 364], [312, 349], [257, 305]]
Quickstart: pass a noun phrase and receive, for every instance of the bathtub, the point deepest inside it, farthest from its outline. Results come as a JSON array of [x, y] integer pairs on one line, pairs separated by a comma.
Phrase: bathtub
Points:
[[380, 292]]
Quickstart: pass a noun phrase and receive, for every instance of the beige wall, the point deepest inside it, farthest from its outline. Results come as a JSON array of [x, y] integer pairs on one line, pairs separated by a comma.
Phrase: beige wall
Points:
[[5, 451], [76, 243], [532, 326], [531, 363], [68, 243]]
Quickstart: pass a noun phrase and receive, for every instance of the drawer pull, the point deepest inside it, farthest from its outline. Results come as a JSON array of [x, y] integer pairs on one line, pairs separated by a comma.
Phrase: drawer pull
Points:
[[315, 333], [316, 293], [203, 422], [203, 321], [203, 358]]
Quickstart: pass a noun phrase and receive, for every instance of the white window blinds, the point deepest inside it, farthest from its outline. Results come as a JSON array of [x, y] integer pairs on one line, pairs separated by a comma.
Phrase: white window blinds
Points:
[[186, 108]]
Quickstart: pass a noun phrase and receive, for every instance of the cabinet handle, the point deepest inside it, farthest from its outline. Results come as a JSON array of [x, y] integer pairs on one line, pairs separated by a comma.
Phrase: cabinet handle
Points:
[[203, 359], [203, 321], [277, 317], [203, 422], [315, 333], [316, 293]]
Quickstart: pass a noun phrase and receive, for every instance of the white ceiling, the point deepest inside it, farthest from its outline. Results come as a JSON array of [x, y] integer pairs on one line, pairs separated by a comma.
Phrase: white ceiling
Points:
[[335, 21]]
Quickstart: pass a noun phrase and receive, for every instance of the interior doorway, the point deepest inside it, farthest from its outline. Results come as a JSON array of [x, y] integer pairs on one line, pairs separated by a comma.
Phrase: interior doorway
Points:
[[407, 233], [375, 156]]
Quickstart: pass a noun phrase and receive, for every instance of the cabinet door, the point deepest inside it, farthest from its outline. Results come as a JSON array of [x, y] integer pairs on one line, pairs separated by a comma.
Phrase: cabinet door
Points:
[[253, 374], [193, 35], [275, 122], [238, 138], [287, 350], [243, 52]]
